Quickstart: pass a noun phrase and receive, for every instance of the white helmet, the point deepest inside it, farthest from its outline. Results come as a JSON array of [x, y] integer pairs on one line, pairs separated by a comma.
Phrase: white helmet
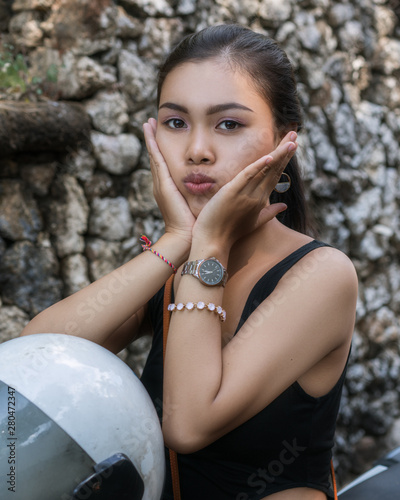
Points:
[[75, 423]]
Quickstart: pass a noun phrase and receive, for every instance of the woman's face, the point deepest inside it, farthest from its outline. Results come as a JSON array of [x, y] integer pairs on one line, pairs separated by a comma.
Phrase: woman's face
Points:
[[211, 124]]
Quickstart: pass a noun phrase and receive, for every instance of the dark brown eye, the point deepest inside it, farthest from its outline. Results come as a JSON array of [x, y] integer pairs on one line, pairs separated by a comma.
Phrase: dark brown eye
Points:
[[229, 125], [175, 123]]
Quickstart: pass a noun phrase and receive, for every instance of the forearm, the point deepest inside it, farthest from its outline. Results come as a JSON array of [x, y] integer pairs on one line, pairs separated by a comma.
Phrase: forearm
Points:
[[193, 364], [96, 311]]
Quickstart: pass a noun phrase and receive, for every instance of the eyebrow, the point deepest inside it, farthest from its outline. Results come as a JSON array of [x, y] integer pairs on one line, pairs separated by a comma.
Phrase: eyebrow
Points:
[[218, 108]]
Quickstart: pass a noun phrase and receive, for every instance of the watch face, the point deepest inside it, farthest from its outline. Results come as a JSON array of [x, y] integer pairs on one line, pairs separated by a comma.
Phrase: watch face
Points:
[[211, 272]]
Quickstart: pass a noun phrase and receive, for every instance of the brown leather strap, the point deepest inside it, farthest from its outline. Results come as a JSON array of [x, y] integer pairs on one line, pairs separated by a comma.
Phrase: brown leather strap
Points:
[[166, 313], [166, 316], [334, 481]]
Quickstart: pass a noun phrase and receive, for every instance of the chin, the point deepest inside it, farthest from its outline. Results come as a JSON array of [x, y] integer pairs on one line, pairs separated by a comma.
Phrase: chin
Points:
[[196, 206], [195, 212]]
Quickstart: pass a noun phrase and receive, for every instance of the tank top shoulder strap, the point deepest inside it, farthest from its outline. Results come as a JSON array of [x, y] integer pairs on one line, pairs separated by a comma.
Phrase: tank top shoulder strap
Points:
[[267, 283]]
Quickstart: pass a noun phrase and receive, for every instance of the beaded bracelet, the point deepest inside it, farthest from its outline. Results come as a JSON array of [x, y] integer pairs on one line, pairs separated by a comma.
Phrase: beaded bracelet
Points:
[[200, 306], [147, 246]]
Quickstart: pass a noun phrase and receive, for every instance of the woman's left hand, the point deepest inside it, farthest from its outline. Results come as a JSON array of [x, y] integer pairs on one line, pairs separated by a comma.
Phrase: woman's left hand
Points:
[[242, 205]]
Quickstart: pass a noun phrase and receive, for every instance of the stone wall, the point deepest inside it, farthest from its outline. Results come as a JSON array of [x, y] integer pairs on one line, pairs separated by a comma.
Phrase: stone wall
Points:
[[68, 217]]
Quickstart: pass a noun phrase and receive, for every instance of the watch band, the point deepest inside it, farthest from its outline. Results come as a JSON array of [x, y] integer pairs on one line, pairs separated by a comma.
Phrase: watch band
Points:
[[192, 268]]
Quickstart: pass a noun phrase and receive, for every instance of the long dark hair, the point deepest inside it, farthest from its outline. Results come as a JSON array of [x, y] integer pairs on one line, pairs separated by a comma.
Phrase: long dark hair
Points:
[[269, 68]]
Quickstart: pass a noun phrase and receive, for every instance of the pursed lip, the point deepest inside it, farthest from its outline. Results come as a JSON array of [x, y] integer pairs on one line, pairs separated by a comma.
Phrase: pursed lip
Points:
[[198, 183]]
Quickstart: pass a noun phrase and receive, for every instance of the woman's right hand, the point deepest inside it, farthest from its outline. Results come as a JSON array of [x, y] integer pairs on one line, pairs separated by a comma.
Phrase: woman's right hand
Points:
[[176, 213]]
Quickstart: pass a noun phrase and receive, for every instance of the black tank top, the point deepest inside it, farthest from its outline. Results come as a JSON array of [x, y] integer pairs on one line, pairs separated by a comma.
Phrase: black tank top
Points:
[[286, 445]]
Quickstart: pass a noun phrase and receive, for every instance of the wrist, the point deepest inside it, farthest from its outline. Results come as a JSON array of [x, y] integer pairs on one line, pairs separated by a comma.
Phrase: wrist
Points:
[[209, 271], [205, 249], [174, 247]]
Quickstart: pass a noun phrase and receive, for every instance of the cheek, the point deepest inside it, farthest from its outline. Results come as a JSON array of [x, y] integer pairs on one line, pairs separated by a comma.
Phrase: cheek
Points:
[[250, 147]]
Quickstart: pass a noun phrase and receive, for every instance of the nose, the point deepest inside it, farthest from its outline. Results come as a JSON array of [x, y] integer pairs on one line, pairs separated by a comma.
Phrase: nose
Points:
[[200, 149]]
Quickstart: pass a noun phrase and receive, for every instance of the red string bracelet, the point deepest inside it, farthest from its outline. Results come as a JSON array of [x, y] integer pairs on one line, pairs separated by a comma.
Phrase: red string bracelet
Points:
[[146, 245]]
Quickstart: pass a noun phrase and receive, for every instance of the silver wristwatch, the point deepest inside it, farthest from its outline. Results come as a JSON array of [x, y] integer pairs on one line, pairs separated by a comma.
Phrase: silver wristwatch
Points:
[[209, 271]]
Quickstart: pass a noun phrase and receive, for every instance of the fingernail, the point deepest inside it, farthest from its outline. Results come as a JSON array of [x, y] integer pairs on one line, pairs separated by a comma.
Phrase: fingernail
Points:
[[291, 147], [293, 136], [283, 208], [268, 160]]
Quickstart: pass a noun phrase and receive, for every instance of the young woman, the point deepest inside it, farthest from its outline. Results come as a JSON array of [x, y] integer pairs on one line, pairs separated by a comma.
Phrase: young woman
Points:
[[249, 400]]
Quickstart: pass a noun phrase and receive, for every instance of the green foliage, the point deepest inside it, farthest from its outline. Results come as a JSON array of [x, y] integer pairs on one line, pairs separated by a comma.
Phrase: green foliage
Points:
[[12, 70], [16, 77], [52, 73]]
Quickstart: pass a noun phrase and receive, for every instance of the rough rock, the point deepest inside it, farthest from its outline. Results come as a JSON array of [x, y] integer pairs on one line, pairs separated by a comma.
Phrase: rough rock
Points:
[[25, 27], [98, 186], [137, 354], [40, 5], [352, 38], [151, 7], [376, 292], [29, 277], [364, 211], [103, 256], [5, 14], [387, 56], [83, 77], [274, 12], [325, 153], [345, 131], [19, 215], [12, 321], [110, 218], [39, 177], [80, 164], [74, 271], [137, 77], [158, 36], [141, 199], [116, 155], [308, 32], [339, 13], [108, 111], [126, 25], [386, 21], [186, 7], [68, 215], [247, 9]]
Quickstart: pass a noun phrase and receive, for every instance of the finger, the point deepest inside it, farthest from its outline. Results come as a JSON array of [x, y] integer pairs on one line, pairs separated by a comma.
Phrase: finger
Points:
[[266, 168], [151, 146], [149, 135], [276, 162], [248, 173], [269, 212], [157, 162], [153, 124], [285, 150], [290, 136]]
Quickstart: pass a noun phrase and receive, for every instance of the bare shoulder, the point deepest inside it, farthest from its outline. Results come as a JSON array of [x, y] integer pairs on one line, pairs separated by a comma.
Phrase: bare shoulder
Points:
[[323, 263], [337, 277], [325, 259], [323, 282], [333, 266]]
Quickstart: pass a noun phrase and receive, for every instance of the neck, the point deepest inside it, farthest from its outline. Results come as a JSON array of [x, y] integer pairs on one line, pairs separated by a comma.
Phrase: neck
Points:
[[268, 244], [265, 240]]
